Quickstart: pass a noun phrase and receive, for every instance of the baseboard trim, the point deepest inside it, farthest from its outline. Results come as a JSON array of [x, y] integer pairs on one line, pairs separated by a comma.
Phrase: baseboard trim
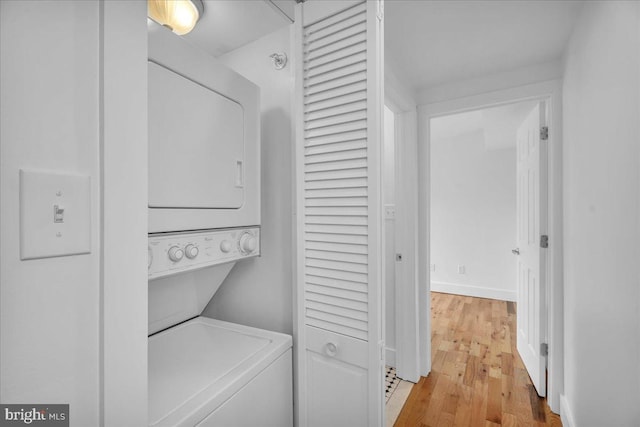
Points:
[[565, 413], [473, 291], [390, 357]]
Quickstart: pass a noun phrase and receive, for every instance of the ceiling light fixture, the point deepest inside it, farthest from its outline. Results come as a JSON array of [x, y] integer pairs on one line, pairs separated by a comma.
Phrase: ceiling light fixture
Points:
[[180, 16]]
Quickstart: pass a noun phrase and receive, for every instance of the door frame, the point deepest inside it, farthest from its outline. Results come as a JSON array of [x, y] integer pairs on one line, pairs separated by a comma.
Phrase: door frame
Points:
[[550, 91], [123, 155], [406, 239]]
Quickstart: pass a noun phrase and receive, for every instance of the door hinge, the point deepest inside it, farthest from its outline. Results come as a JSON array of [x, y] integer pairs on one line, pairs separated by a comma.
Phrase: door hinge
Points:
[[544, 133], [544, 241], [544, 349]]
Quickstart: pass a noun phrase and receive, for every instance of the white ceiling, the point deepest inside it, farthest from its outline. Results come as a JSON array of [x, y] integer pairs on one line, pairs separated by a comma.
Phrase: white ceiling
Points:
[[437, 42], [497, 124], [229, 24], [427, 42]]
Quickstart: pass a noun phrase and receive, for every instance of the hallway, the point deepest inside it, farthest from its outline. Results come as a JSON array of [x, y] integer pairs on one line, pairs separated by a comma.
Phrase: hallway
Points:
[[477, 377]]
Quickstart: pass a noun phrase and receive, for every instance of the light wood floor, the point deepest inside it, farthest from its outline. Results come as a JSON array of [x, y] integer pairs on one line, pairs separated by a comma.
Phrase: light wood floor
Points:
[[477, 376]]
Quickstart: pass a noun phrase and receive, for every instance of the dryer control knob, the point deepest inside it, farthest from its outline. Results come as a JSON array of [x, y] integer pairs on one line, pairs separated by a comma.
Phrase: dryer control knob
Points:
[[175, 253], [248, 243], [225, 246], [191, 251]]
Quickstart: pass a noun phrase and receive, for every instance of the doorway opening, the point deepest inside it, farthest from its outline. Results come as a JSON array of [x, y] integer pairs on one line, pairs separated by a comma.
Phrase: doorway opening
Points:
[[488, 198], [549, 303], [474, 201]]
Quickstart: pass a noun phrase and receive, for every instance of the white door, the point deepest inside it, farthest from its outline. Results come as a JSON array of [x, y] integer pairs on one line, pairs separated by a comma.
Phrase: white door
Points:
[[532, 223], [338, 328]]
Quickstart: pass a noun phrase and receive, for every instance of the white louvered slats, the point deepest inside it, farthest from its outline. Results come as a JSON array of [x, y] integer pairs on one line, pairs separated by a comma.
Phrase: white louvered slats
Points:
[[336, 181], [338, 292], [336, 238], [347, 117]]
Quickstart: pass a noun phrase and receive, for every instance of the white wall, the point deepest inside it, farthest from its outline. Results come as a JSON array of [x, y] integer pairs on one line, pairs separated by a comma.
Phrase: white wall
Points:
[[602, 197], [473, 217], [49, 324], [258, 292], [492, 82], [73, 99], [388, 198]]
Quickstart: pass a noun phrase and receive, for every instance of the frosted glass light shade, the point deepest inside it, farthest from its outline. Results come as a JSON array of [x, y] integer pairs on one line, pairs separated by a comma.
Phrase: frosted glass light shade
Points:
[[178, 15]]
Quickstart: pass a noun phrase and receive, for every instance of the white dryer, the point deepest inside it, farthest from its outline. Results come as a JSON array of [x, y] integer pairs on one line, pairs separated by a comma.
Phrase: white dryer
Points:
[[204, 139]]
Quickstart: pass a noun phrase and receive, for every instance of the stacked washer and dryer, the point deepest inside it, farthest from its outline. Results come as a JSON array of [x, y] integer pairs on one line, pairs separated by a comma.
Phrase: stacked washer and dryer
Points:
[[204, 216]]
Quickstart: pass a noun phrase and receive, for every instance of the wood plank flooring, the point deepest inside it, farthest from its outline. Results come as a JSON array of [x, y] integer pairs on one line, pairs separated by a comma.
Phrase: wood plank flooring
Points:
[[477, 376]]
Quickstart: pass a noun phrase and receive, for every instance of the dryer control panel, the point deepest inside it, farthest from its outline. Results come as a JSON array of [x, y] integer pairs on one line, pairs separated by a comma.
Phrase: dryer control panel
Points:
[[172, 253]]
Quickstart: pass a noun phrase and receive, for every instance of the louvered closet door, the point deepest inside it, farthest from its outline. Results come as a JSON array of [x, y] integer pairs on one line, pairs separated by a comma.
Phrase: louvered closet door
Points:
[[338, 328]]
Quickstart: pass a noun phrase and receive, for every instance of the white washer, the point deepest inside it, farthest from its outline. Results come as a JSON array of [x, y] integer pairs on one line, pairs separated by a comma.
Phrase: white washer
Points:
[[206, 372]]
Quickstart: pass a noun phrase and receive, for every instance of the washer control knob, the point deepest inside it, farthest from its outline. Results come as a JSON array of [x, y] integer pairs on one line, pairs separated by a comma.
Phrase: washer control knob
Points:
[[225, 246], [191, 251], [175, 253], [248, 243]]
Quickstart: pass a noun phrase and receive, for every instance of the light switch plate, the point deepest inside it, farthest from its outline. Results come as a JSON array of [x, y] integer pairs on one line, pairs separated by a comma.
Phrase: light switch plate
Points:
[[55, 214], [389, 211]]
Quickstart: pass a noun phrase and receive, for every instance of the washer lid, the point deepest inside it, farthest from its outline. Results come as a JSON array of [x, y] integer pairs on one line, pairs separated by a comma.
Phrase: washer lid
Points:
[[200, 363]]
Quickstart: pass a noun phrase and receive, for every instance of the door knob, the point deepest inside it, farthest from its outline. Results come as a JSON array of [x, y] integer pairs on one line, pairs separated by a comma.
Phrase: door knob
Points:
[[515, 251], [331, 349]]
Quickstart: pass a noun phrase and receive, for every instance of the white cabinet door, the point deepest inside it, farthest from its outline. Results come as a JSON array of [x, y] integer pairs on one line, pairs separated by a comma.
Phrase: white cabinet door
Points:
[[531, 223], [339, 364]]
